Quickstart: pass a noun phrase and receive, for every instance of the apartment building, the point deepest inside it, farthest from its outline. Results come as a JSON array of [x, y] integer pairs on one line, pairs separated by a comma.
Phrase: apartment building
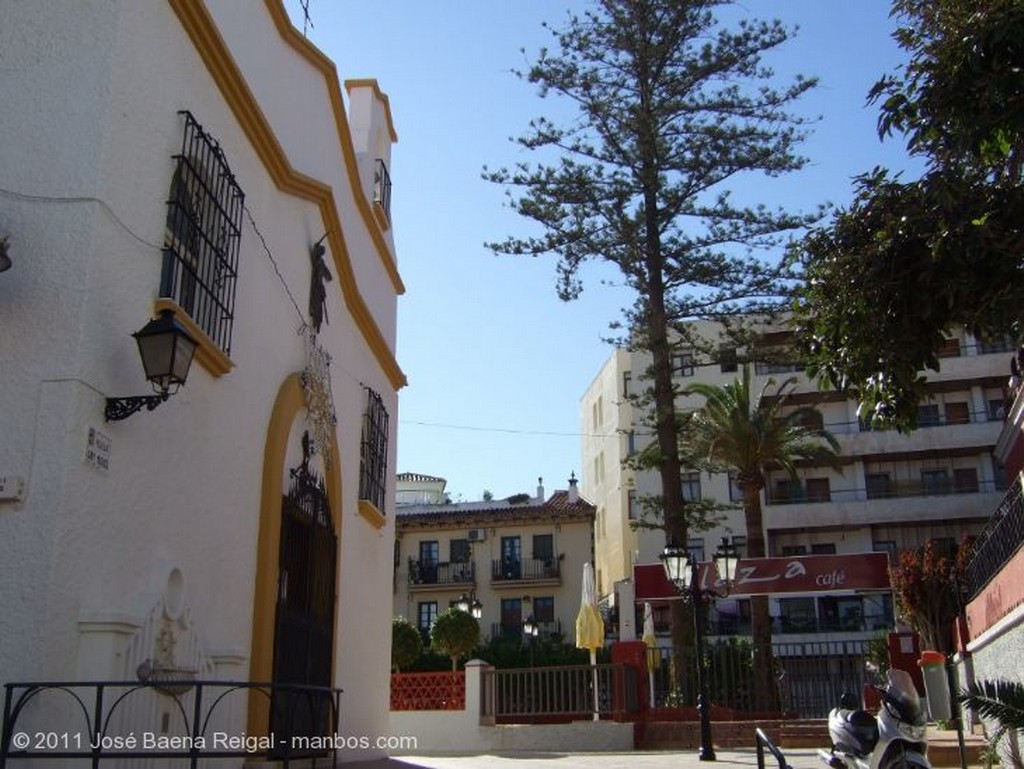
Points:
[[418, 489], [515, 558], [893, 491]]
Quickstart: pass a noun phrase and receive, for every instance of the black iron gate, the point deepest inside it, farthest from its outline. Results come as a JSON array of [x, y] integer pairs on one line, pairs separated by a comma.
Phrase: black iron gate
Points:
[[304, 627], [811, 676]]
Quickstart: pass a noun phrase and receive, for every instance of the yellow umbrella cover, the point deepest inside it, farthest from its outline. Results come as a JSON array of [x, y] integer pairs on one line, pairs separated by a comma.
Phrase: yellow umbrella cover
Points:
[[589, 623]]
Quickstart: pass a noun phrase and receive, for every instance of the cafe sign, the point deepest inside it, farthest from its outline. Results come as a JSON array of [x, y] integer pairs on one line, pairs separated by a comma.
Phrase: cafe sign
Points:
[[761, 576]]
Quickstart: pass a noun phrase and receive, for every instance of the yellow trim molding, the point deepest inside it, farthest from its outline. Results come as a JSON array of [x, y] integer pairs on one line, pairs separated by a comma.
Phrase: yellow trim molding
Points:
[[382, 217], [370, 512], [322, 62], [208, 354], [381, 96], [289, 403], [206, 38]]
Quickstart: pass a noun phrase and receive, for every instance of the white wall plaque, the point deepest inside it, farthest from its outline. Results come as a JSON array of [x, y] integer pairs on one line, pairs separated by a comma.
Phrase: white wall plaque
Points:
[[97, 451]]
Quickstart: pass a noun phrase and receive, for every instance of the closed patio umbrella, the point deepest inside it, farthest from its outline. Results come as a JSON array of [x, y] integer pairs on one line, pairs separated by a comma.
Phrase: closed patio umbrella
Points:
[[590, 626], [653, 658]]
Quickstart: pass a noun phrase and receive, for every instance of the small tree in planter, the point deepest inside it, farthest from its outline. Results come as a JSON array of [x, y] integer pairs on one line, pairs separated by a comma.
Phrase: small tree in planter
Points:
[[925, 584], [454, 633], [406, 644]]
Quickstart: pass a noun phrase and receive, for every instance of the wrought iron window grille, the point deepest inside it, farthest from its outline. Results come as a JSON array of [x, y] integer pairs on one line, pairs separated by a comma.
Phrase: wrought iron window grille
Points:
[[382, 187], [204, 228], [373, 463]]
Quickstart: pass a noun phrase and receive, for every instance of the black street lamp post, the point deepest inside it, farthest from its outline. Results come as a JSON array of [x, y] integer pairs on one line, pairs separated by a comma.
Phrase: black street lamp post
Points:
[[469, 603], [682, 571], [530, 631]]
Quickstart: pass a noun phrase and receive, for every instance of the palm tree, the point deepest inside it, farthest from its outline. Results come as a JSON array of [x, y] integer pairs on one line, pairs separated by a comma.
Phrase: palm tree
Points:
[[749, 435], [1003, 702]]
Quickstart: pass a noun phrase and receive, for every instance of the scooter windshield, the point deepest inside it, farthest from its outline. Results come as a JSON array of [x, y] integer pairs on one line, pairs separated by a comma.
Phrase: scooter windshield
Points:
[[905, 698]]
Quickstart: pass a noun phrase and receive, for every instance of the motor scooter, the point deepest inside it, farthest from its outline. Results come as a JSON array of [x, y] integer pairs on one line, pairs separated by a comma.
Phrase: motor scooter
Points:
[[893, 740]]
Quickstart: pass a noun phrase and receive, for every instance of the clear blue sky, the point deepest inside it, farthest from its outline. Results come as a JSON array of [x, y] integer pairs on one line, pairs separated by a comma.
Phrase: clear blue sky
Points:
[[496, 362]]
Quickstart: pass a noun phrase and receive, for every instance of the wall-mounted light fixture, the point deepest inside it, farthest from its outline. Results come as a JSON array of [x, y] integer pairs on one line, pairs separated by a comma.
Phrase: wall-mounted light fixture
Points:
[[166, 350]]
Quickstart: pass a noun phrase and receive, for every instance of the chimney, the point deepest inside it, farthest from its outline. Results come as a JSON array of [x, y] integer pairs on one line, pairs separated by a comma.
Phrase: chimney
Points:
[[540, 490], [574, 493]]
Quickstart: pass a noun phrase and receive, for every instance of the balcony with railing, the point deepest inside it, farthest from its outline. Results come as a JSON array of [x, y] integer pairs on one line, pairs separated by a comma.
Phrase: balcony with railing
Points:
[[550, 630], [382, 187], [949, 429], [514, 572], [931, 486], [435, 575], [898, 499]]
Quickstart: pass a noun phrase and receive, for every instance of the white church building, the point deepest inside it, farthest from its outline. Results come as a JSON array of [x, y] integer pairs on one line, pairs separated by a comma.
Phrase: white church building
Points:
[[195, 174]]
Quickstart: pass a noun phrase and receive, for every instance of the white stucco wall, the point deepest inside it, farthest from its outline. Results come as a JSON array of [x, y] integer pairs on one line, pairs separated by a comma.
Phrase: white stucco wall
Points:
[[91, 93], [466, 732]]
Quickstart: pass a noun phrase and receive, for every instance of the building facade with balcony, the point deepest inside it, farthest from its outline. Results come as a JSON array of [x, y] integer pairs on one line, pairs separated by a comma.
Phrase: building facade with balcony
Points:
[[519, 557], [893, 491], [198, 160]]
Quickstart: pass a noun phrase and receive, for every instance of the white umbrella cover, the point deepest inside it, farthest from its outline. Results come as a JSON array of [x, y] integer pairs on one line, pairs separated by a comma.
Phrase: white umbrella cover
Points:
[[651, 641]]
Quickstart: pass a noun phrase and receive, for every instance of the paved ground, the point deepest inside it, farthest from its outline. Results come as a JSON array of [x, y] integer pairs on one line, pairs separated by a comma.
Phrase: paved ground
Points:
[[744, 758], [726, 759]]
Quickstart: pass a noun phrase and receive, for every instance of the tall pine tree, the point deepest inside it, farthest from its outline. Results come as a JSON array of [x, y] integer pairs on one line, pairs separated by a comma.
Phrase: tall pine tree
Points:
[[670, 108]]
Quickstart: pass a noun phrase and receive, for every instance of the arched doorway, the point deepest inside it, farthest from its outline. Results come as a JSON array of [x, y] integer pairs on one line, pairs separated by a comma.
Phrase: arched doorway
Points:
[[304, 616], [282, 433]]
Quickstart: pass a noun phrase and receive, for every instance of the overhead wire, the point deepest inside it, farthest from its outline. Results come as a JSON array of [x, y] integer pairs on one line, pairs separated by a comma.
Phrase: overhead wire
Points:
[[518, 431]]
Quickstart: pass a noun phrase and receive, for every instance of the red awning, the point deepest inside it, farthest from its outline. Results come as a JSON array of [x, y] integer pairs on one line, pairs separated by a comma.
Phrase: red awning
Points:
[[758, 576]]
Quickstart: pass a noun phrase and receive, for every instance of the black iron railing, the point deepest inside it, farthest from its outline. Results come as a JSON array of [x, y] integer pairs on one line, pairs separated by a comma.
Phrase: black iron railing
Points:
[[810, 676], [998, 542], [441, 573], [546, 629], [104, 721], [508, 569], [382, 187], [890, 490]]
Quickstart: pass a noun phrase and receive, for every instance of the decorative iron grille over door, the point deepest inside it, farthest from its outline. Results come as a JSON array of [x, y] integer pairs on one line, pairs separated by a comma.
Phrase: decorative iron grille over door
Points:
[[304, 629]]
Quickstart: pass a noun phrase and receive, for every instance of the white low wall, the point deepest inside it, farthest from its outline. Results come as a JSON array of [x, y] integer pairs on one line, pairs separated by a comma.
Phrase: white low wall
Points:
[[454, 732]]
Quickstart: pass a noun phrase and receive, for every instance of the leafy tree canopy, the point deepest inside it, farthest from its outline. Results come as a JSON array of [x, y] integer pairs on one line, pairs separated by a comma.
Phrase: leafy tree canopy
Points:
[[454, 633], [671, 109], [406, 644], [907, 260], [747, 432]]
